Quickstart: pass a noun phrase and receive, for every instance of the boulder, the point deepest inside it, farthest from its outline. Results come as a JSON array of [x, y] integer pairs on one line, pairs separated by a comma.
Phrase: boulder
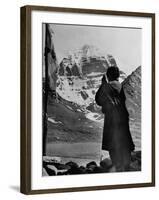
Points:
[[44, 172], [51, 170], [91, 164], [61, 166], [72, 164], [106, 164], [50, 159], [82, 169], [136, 155], [135, 166], [89, 170], [74, 168], [98, 169]]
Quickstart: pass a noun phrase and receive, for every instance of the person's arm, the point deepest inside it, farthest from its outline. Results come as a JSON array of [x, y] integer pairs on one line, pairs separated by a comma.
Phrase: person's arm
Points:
[[122, 94], [101, 95], [123, 99], [98, 96]]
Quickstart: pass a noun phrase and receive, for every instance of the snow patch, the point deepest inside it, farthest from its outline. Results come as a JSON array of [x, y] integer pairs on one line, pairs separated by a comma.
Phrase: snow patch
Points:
[[53, 121], [93, 117], [69, 107], [54, 159], [95, 74], [70, 89]]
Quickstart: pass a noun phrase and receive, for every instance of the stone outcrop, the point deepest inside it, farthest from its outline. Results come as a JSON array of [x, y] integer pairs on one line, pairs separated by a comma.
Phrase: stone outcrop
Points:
[[132, 88]]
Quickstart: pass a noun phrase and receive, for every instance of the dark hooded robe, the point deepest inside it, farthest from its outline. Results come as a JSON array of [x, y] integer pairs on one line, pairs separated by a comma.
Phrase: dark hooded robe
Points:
[[116, 133]]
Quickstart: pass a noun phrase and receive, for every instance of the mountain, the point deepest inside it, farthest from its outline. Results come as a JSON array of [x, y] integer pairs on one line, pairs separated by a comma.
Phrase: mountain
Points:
[[80, 74], [85, 61], [132, 88]]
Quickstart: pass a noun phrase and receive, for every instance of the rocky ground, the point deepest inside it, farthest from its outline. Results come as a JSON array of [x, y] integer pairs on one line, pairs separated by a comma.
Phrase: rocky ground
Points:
[[54, 166]]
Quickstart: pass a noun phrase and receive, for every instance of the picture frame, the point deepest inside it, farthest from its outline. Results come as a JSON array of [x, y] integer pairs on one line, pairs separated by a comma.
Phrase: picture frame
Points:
[[32, 20]]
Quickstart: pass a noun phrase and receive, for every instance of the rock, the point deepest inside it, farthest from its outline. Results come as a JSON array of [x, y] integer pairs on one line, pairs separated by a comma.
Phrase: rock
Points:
[[132, 89], [136, 156], [75, 70], [50, 159], [62, 173], [55, 168], [74, 168], [44, 172], [135, 161], [135, 166], [84, 95], [72, 164], [98, 169], [61, 166], [51, 170], [91, 164], [106, 164], [91, 167], [82, 169], [89, 170]]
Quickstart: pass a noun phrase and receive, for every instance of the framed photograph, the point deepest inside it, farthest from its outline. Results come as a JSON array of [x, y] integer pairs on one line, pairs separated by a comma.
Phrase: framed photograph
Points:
[[87, 99]]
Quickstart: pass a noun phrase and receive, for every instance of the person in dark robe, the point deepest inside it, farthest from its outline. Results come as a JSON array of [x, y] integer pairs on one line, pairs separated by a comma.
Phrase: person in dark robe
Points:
[[116, 133]]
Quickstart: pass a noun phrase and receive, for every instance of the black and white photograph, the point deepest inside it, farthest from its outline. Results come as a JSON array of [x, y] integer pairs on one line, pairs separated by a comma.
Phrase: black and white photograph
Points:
[[88, 99], [91, 98]]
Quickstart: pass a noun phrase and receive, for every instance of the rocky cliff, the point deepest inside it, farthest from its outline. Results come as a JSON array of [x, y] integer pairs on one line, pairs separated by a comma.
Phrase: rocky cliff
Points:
[[132, 88]]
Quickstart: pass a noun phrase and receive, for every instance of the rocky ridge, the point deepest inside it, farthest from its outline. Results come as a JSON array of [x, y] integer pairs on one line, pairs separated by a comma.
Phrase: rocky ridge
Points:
[[132, 88]]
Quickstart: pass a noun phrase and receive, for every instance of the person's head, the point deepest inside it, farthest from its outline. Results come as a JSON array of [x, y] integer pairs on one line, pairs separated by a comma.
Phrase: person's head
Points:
[[112, 73]]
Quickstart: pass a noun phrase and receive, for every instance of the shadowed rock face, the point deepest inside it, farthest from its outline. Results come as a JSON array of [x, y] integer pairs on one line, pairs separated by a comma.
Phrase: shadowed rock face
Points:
[[132, 88]]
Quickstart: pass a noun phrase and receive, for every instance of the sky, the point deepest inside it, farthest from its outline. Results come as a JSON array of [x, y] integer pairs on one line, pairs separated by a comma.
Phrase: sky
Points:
[[124, 44]]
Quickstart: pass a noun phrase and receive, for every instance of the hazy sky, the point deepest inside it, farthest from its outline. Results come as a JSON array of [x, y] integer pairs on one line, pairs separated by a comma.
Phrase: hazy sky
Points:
[[123, 43]]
